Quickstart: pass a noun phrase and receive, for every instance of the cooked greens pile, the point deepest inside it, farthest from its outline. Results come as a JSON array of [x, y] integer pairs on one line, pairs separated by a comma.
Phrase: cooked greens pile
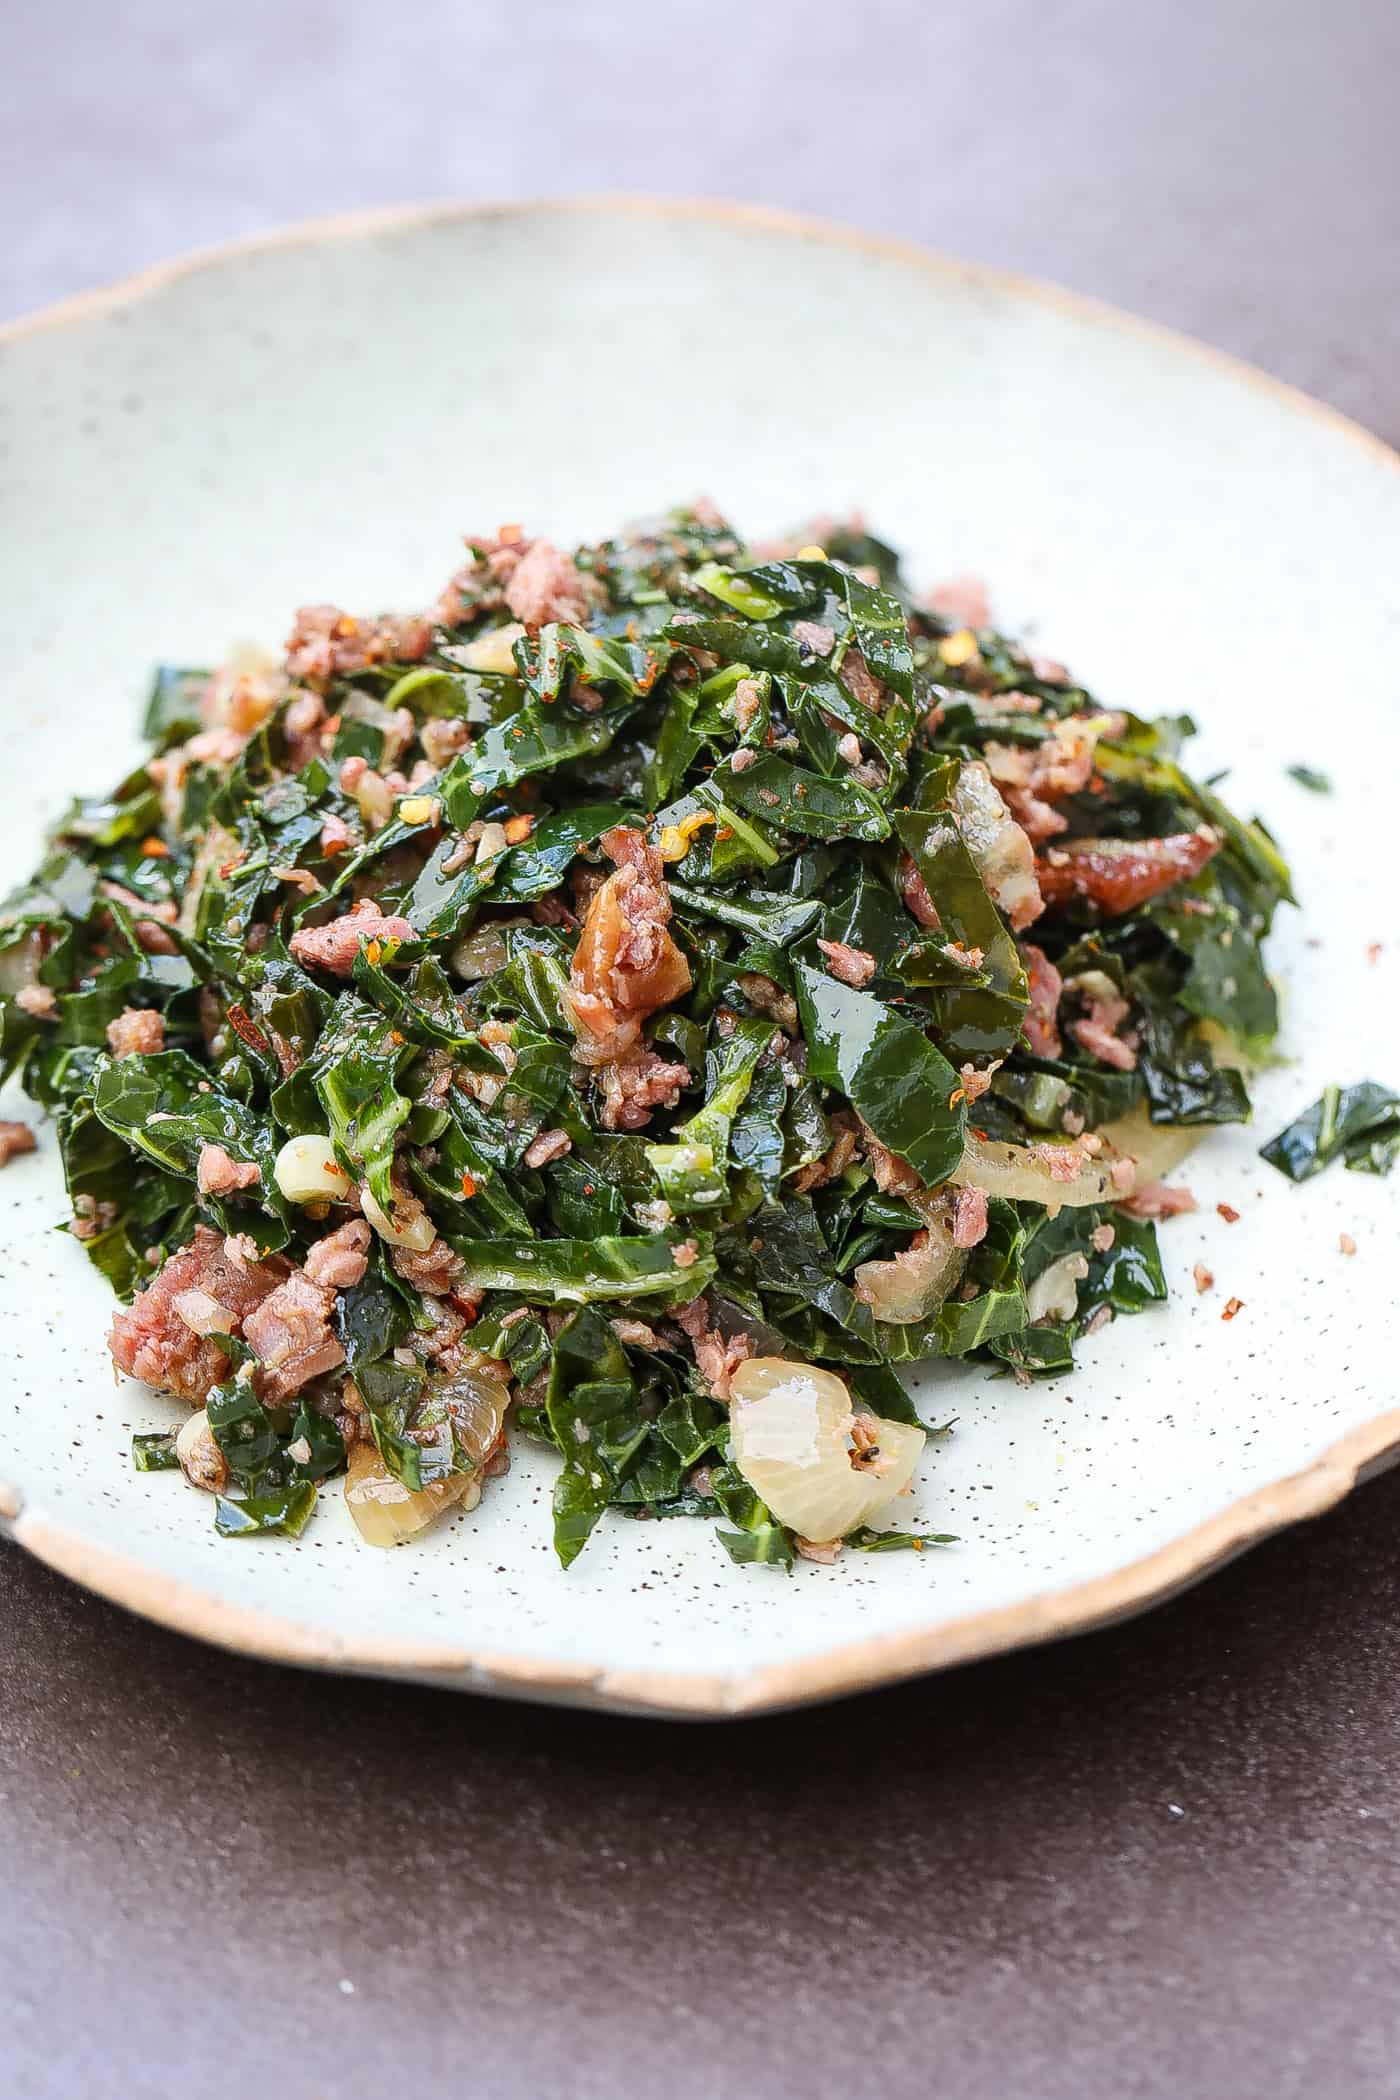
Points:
[[643, 966]]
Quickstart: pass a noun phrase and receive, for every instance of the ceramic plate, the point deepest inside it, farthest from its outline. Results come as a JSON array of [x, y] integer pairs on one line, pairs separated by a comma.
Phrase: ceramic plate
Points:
[[321, 416]]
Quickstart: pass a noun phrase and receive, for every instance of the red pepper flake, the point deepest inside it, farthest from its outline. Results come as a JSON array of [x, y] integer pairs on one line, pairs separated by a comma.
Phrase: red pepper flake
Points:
[[395, 1038], [511, 535], [726, 831], [958, 1094], [1347, 1243], [1205, 1278], [1228, 1213], [155, 849], [331, 724], [1232, 1306], [1373, 951], [588, 1189], [247, 1029], [468, 1185]]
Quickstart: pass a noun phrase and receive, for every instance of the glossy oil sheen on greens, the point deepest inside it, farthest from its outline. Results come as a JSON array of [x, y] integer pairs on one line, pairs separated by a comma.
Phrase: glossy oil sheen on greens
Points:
[[611, 1213]]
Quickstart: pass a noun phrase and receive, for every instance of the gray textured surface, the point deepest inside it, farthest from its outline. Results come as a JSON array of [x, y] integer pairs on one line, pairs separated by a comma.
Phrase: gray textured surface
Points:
[[978, 1885], [1226, 165]]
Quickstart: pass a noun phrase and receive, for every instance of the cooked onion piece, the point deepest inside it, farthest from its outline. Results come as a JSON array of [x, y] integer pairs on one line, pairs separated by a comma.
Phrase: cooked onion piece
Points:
[[477, 1404], [1049, 1174], [492, 652], [201, 1461], [410, 1226], [1003, 853], [386, 1512], [306, 1170], [482, 954], [919, 1278], [1157, 1147], [791, 1436]]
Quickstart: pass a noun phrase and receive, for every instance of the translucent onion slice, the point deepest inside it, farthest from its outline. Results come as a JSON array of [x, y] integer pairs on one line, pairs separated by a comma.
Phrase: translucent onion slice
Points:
[[790, 1437], [917, 1280], [1048, 1174], [493, 652], [19, 964], [482, 954], [387, 1513], [1157, 1147], [477, 1404], [1003, 853], [410, 1226]]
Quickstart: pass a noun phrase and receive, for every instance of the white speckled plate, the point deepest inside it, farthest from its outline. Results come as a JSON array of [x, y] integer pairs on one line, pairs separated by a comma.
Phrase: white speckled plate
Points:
[[320, 416]]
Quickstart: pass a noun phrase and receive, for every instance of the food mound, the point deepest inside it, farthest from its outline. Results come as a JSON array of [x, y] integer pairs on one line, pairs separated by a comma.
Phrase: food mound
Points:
[[645, 1001]]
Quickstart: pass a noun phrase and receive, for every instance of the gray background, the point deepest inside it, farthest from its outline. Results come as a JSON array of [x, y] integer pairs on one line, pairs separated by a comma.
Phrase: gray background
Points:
[[1229, 166], [1162, 1860]]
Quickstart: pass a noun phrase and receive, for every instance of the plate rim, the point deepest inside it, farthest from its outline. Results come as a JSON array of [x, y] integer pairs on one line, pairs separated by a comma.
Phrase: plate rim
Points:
[[880, 1659]]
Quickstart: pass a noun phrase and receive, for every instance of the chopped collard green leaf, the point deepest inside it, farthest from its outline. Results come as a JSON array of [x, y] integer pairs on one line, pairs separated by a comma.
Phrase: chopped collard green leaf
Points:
[[653, 997], [154, 1453], [1358, 1124], [865, 1540], [1311, 777]]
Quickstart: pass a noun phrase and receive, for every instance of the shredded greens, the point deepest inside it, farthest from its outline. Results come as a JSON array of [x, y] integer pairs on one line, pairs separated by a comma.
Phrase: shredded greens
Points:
[[614, 977], [1359, 1125], [1311, 777]]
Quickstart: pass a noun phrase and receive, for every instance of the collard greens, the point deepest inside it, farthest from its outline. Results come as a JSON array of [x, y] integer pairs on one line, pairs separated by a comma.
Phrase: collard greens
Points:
[[642, 946]]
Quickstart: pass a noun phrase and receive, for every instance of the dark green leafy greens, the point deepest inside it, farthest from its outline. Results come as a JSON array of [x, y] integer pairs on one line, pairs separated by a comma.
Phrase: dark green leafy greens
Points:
[[636, 969], [1311, 777], [1358, 1124]]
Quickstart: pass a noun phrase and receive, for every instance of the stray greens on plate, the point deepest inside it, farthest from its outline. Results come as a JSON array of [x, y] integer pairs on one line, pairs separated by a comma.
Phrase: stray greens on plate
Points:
[[650, 998]]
